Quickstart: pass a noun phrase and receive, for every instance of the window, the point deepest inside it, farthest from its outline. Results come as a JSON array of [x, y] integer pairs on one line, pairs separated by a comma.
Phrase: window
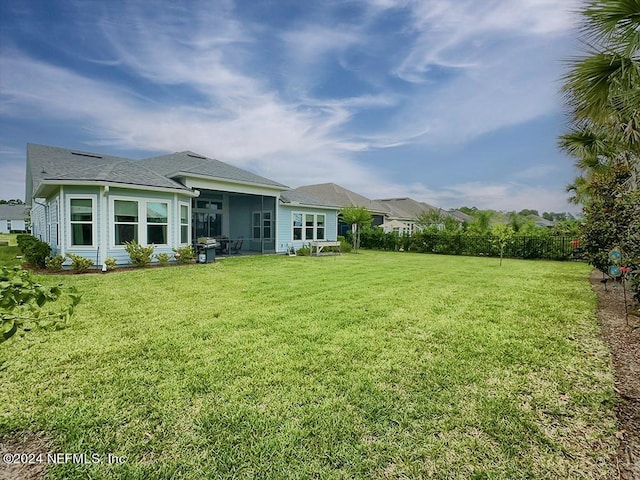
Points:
[[308, 226], [266, 225], [125, 221], [184, 223], [157, 223], [81, 221], [319, 227], [297, 226], [261, 223], [313, 228]]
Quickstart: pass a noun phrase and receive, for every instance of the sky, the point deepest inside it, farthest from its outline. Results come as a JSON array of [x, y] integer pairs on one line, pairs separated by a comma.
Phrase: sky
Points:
[[451, 102]]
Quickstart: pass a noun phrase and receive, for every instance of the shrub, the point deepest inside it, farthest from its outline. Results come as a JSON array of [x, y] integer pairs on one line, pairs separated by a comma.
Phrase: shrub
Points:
[[345, 246], [55, 263], [22, 299], [80, 264], [303, 251], [111, 263], [184, 254], [140, 256], [163, 259], [35, 251]]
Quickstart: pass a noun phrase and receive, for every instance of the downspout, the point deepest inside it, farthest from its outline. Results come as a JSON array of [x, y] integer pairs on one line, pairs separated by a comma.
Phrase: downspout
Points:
[[61, 222]]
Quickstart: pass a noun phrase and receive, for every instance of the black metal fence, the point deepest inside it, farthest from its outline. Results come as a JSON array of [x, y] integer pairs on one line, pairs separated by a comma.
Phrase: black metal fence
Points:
[[547, 247]]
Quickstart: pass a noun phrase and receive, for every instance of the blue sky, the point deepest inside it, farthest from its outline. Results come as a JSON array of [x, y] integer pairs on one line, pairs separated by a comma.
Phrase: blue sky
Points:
[[452, 102]]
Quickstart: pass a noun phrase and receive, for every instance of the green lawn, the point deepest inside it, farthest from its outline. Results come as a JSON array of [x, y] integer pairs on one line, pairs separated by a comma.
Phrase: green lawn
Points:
[[376, 365]]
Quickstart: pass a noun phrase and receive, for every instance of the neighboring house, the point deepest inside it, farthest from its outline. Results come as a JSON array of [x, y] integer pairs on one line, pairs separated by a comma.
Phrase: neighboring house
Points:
[[403, 214], [91, 204], [332, 194], [13, 218]]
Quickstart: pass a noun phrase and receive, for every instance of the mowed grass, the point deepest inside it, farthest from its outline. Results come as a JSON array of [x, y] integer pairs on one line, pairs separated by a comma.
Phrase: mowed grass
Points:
[[376, 365]]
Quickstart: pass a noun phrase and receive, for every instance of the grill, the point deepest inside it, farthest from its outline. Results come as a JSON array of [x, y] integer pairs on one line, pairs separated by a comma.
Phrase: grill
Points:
[[206, 249]]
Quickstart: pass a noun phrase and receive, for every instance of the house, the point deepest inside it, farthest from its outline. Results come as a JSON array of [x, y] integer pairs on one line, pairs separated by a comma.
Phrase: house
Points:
[[91, 204], [332, 194], [13, 218], [403, 214], [391, 214]]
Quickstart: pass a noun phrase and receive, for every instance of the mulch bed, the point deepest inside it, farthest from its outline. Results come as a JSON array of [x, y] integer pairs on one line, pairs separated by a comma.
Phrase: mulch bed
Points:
[[622, 335]]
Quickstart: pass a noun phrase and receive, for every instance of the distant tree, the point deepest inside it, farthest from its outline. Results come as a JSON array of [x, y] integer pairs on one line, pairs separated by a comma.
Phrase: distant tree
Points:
[[468, 210], [481, 223], [357, 217], [437, 220], [527, 212]]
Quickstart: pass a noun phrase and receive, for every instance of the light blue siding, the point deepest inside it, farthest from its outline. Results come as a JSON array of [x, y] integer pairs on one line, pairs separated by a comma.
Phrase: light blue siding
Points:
[[285, 225]]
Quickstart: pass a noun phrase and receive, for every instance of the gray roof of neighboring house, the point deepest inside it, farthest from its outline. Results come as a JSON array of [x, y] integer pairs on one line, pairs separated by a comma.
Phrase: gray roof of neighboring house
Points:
[[300, 198], [45, 164], [13, 212], [332, 194], [463, 217], [410, 209], [180, 163], [406, 208]]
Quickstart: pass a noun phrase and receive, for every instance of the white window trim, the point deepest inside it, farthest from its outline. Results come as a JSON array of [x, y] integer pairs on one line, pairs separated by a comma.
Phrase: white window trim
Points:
[[142, 220], [304, 226], [188, 205], [94, 222]]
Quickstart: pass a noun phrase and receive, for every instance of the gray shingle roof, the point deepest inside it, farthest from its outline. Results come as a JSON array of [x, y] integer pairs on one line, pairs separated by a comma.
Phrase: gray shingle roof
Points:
[[298, 197], [332, 194], [45, 163], [13, 212], [174, 164]]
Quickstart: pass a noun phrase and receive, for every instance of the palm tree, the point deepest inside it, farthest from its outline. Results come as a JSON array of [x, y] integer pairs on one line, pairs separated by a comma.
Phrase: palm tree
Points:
[[603, 91]]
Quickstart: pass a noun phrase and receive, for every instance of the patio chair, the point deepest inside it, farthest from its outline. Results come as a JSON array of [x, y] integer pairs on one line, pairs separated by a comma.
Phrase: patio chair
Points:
[[237, 246]]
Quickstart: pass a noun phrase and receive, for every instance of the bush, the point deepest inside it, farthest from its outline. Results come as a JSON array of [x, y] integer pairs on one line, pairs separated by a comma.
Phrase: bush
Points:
[[163, 259], [184, 254], [303, 251], [22, 299], [345, 246], [35, 251], [55, 263], [111, 263], [140, 256], [80, 264]]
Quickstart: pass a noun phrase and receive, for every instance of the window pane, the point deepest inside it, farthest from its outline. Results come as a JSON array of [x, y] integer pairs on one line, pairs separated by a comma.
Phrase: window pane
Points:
[[309, 234], [81, 210], [81, 234], [320, 233], [309, 220], [126, 233], [156, 212], [184, 214], [297, 219], [125, 211], [157, 234], [320, 220], [297, 233], [184, 234], [267, 232], [256, 232], [267, 215]]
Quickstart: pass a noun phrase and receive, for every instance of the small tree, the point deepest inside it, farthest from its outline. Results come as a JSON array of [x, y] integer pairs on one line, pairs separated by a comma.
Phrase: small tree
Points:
[[502, 235], [357, 217], [22, 301]]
